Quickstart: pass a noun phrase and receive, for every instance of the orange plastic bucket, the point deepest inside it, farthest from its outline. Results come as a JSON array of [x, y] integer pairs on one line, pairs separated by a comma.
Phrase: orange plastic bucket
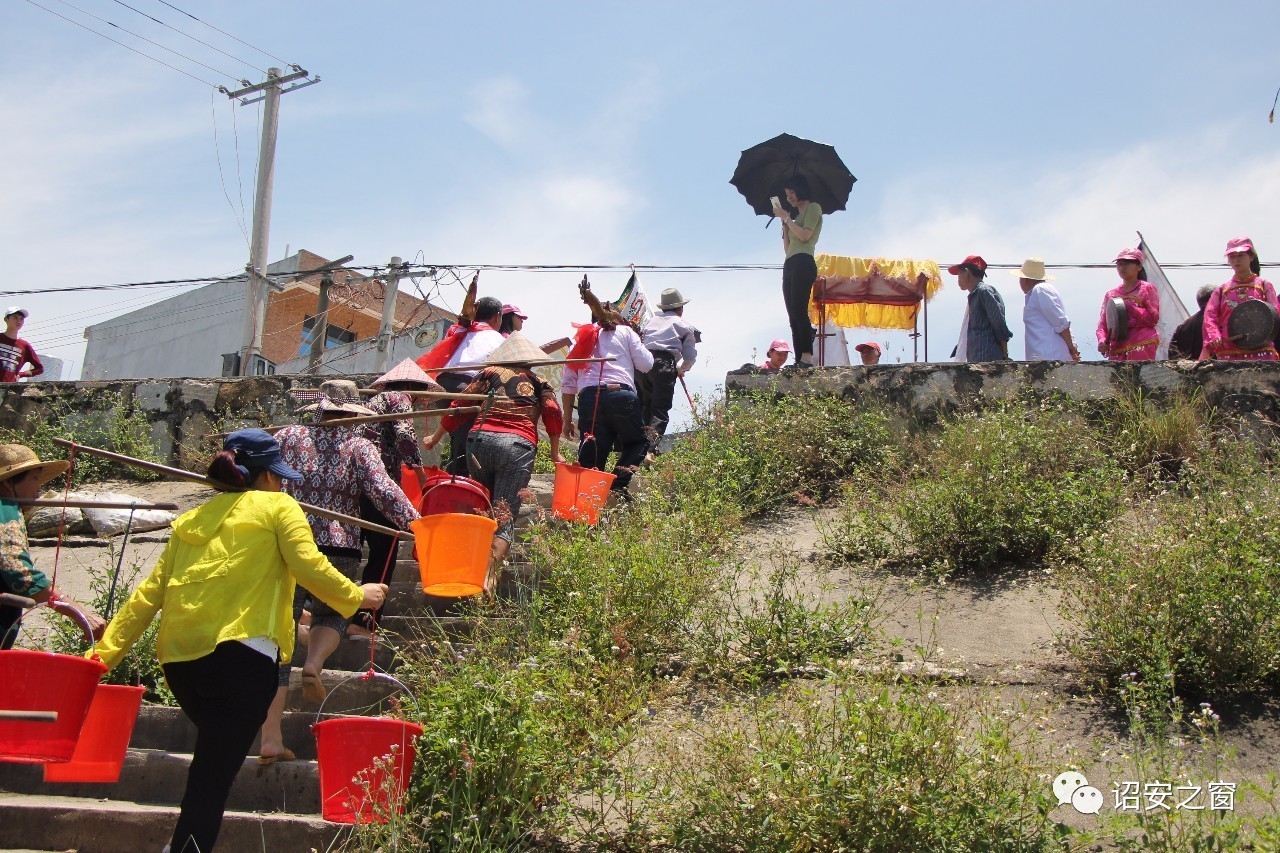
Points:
[[43, 681], [579, 493], [453, 552], [104, 738], [364, 765]]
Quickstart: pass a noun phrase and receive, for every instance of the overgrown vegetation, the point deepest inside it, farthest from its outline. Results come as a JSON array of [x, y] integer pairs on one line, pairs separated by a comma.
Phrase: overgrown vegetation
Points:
[[118, 426]]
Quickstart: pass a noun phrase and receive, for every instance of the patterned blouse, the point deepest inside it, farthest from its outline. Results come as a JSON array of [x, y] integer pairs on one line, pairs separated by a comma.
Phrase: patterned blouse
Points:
[[395, 439], [337, 466], [1217, 312]]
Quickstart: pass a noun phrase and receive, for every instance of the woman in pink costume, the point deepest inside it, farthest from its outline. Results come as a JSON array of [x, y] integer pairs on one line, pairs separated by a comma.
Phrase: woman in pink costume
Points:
[[1245, 284], [1143, 302]]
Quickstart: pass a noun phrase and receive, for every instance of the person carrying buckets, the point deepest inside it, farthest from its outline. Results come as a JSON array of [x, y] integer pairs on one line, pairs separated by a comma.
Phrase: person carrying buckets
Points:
[[504, 440], [337, 465], [398, 444], [222, 587], [23, 475]]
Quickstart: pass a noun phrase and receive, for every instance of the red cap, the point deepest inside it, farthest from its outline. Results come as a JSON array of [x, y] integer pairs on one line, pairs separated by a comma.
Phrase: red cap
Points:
[[1129, 255], [1234, 245], [975, 260], [514, 309], [870, 345], [779, 346]]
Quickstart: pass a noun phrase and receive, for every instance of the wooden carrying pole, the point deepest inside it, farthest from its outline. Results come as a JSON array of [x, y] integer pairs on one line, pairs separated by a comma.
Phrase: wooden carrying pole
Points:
[[192, 477], [357, 420], [428, 395], [89, 504]]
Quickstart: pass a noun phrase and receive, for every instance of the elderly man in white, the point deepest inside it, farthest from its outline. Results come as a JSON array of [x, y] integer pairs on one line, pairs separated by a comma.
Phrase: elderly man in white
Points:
[[1047, 327]]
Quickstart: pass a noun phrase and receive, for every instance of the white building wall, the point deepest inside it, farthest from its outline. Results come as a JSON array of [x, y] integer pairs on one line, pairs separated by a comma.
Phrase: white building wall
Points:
[[184, 335]]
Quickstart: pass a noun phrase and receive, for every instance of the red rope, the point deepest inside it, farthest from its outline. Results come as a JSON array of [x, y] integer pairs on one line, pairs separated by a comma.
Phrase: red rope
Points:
[[373, 621], [595, 410]]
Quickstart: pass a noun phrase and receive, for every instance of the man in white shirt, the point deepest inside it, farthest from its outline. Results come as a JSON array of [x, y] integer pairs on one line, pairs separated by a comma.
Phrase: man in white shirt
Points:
[[475, 348], [1045, 322], [608, 406], [673, 343]]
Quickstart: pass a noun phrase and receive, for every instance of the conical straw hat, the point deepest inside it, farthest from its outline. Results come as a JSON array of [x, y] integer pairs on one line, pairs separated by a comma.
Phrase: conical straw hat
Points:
[[516, 349], [406, 371]]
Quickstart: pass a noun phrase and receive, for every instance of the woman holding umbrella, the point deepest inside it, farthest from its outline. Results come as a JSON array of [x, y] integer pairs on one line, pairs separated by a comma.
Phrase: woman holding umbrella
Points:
[[799, 271]]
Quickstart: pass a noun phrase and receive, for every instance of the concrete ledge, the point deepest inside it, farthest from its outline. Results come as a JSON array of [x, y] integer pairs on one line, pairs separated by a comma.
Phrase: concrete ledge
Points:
[[928, 391], [68, 823]]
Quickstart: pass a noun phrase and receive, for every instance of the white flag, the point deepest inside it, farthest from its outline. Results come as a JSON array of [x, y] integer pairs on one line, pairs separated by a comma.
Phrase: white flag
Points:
[[1172, 312]]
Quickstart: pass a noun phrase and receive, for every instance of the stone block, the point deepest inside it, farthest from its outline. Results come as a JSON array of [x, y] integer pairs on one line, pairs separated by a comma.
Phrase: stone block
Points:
[[204, 393], [1080, 382], [1154, 376], [153, 396], [162, 439]]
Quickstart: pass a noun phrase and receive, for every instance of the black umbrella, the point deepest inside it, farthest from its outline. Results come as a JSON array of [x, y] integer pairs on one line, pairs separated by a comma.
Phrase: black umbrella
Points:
[[763, 168]]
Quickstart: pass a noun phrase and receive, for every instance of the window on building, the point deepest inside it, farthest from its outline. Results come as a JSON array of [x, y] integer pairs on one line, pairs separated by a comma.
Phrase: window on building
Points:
[[334, 336]]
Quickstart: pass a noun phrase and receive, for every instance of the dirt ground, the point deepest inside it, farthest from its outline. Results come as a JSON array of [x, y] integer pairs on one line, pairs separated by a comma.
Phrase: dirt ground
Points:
[[1001, 640]]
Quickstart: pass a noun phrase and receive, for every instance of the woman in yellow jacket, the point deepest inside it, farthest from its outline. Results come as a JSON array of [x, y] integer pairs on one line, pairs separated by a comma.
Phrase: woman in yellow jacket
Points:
[[225, 585]]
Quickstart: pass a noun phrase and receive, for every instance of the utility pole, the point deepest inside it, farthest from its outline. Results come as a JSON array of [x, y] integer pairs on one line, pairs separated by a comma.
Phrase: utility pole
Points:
[[387, 330], [257, 283], [320, 331]]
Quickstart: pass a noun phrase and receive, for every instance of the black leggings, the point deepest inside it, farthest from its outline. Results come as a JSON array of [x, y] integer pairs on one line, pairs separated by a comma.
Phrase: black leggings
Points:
[[226, 694], [376, 569], [798, 275]]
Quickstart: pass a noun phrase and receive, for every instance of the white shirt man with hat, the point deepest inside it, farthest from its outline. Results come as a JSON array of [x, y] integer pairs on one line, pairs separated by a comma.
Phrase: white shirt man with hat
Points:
[[673, 343], [1044, 320]]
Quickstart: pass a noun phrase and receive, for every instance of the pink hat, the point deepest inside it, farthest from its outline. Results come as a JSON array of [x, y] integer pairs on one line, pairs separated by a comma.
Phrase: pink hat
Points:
[[779, 346], [1239, 244], [867, 346], [514, 309], [1129, 255]]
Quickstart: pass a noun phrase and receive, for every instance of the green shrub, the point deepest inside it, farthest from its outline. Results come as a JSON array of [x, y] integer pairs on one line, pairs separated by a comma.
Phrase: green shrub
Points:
[[1158, 439], [842, 765], [759, 451], [1187, 586], [1005, 485]]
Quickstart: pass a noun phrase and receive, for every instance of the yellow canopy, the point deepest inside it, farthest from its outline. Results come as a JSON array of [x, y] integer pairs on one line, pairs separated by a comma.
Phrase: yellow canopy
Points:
[[880, 293]]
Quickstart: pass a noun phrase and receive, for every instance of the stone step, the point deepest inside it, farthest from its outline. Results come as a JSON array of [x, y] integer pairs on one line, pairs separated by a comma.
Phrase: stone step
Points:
[[425, 632], [406, 597], [159, 778], [112, 826]]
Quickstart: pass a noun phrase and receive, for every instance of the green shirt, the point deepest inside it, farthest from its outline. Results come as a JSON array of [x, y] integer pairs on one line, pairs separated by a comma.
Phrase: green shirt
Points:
[[810, 217]]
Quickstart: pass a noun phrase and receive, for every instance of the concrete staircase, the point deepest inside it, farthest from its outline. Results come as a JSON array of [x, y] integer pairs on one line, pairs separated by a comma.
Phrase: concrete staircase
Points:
[[273, 808]]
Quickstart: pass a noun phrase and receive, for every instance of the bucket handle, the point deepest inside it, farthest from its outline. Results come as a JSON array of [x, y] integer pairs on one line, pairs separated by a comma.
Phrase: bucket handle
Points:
[[368, 675], [29, 604]]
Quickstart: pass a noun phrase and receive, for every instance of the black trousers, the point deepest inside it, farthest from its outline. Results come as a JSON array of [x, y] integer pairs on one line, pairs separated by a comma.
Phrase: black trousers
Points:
[[226, 694], [657, 394], [616, 425], [799, 272], [376, 569], [457, 462]]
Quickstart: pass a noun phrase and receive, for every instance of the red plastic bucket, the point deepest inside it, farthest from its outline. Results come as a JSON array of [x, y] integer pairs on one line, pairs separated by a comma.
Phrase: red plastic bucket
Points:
[[43, 681], [579, 493], [453, 552], [449, 493], [104, 739], [409, 484], [364, 764]]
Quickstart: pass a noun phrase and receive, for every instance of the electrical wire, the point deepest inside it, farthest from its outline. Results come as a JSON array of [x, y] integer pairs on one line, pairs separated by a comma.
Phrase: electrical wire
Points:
[[235, 130], [217, 152], [125, 46], [188, 35], [227, 34], [148, 41]]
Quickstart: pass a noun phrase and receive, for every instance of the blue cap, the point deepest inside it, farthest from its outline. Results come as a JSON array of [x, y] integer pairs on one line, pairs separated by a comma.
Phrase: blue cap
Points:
[[256, 449]]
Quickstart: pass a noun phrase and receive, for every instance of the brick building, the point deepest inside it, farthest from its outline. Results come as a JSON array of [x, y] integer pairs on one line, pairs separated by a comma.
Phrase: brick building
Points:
[[189, 334]]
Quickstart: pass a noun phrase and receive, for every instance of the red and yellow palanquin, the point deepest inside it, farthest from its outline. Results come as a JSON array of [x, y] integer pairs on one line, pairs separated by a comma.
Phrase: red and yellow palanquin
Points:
[[882, 293]]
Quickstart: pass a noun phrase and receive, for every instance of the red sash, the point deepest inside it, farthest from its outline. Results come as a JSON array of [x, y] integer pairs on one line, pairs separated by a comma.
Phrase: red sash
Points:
[[438, 356], [584, 344]]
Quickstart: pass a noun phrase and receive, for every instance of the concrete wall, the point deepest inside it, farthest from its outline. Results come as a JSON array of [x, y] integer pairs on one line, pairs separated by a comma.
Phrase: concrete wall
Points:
[[184, 335], [925, 392], [177, 414]]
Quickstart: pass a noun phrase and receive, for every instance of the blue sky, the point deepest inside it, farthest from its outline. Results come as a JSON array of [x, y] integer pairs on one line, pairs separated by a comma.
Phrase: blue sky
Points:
[[606, 133]]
